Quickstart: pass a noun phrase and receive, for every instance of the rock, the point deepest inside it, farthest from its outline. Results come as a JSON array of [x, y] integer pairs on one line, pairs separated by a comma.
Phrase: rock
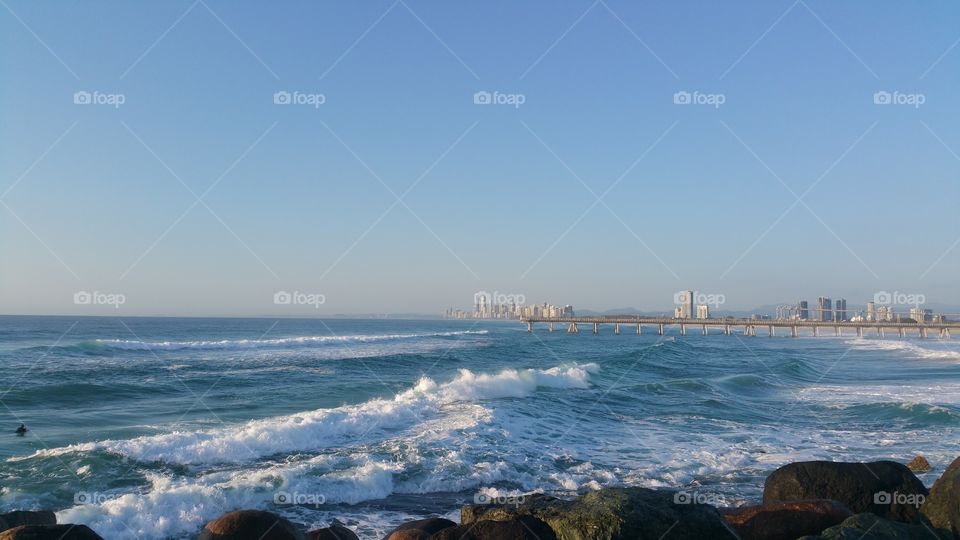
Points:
[[50, 532], [613, 514], [250, 525], [521, 528], [420, 529], [943, 504], [919, 464], [885, 488], [785, 520], [869, 526], [17, 518], [333, 532]]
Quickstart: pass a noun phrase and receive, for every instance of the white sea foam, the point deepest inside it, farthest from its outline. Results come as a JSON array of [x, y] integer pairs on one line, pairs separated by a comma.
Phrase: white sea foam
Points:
[[935, 350], [427, 454], [298, 341], [325, 428]]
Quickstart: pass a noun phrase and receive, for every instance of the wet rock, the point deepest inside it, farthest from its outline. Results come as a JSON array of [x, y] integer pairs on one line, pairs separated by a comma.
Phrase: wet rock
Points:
[[785, 520], [521, 528], [919, 464], [613, 514], [333, 532], [420, 529], [17, 518], [869, 526], [50, 532], [250, 525], [943, 504], [885, 488]]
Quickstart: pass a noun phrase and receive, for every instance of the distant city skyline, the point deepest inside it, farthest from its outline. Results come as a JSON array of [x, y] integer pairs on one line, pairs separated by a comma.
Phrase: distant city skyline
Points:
[[187, 159]]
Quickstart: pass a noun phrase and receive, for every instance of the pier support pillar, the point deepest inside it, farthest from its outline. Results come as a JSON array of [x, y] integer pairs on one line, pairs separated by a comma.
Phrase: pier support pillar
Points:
[[880, 332], [923, 332], [529, 326], [793, 331], [660, 328], [772, 332], [616, 329], [683, 329], [705, 330], [549, 327], [901, 331], [638, 328], [727, 330], [859, 331], [836, 331], [572, 329], [596, 328], [816, 331]]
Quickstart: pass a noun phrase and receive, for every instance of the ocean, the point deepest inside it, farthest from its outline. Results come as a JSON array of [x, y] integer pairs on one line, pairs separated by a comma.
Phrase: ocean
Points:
[[149, 427]]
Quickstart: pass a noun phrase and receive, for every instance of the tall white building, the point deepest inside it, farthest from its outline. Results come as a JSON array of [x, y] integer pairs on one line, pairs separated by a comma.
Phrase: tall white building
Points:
[[703, 311]]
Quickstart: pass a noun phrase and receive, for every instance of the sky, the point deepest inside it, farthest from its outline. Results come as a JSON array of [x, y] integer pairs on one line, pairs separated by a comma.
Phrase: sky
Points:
[[203, 157]]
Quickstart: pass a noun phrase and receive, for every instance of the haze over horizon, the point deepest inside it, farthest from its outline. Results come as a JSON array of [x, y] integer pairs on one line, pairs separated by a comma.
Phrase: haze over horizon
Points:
[[398, 156]]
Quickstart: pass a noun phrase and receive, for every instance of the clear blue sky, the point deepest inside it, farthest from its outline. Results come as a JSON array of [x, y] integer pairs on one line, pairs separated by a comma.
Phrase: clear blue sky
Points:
[[103, 198]]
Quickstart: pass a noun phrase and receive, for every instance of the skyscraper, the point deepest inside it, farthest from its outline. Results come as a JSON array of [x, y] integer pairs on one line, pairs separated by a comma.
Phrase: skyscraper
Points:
[[684, 299], [803, 310], [824, 308], [871, 311], [840, 309]]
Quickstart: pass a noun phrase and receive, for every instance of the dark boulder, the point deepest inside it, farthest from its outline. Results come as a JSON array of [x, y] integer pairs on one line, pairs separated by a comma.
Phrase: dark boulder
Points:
[[943, 504], [785, 520], [17, 518], [50, 532], [869, 526], [420, 529], [614, 514], [521, 528], [885, 488], [250, 525], [333, 532]]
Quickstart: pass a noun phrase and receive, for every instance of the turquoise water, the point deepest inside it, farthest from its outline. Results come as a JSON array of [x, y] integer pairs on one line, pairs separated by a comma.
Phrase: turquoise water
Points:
[[149, 427]]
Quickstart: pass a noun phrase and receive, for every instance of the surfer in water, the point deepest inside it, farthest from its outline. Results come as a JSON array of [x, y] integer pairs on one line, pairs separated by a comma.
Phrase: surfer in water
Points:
[[22, 430]]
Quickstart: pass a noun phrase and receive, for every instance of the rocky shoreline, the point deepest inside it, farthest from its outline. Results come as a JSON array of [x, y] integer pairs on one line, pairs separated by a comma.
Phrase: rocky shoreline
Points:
[[813, 500]]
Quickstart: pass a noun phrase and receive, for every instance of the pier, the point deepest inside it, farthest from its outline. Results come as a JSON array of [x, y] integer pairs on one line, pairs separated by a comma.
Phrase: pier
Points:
[[749, 327]]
